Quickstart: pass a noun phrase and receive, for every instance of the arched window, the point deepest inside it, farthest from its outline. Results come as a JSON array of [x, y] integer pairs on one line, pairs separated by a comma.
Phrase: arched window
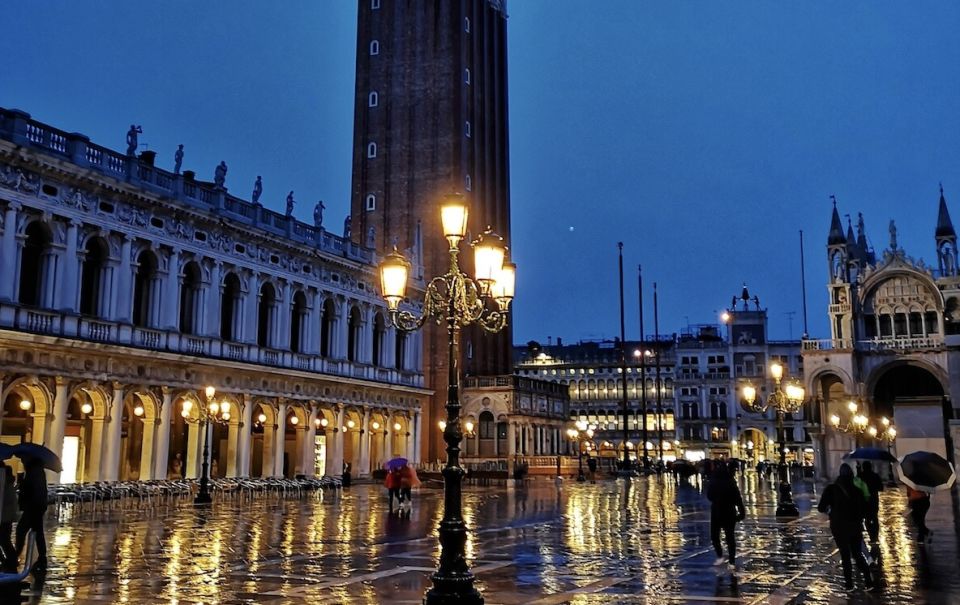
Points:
[[370, 203], [371, 150], [467, 129], [400, 358], [374, 47], [373, 99], [468, 183], [190, 311], [297, 316], [723, 410], [487, 425], [327, 317], [466, 24], [35, 263], [92, 296], [714, 410], [353, 335], [379, 336], [466, 75], [695, 412], [266, 315], [146, 290], [230, 302]]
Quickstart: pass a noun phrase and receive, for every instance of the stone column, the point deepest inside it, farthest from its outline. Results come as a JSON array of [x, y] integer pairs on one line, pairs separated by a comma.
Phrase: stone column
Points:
[[388, 440], [194, 444], [171, 292], [111, 461], [94, 470], [511, 439], [233, 437], [51, 279], [364, 470], [160, 463], [308, 460], [69, 294], [122, 295], [59, 422], [8, 252], [338, 443], [251, 305], [243, 441], [213, 299], [415, 445], [284, 311], [281, 440]]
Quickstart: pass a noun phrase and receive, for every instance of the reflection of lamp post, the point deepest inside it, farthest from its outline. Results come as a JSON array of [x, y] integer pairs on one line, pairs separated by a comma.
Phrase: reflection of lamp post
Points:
[[459, 301], [218, 412], [784, 401]]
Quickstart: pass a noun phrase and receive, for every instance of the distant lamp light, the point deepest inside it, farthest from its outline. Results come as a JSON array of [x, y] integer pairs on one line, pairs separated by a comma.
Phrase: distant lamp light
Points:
[[394, 271], [489, 252], [210, 392], [262, 417], [397, 426], [351, 424], [443, 425], [294, 420], [469, 426], [776, 370], [453, 216], [872, 431], [187, 405], [885, 422], [225, 415], [224, 407], [852, 406], [375, 425], [725, 317], [86, 408], [138, 410], [25, 405], [214, 407]]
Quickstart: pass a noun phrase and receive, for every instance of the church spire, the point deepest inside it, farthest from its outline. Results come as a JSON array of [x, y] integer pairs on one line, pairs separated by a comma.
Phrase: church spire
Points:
[[836, 227], [944, 224]]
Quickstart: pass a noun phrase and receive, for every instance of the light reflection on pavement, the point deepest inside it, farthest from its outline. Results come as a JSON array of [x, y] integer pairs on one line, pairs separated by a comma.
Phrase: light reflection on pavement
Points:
[[640, 541]]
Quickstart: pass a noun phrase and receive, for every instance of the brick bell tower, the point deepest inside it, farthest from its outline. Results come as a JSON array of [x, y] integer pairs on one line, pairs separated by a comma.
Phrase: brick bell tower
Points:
[[430, 119]]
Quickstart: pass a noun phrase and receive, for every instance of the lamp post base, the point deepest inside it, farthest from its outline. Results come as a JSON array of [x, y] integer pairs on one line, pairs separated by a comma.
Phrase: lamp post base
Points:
[[786, 507], [469, 596], [627, 473], [203, 498]]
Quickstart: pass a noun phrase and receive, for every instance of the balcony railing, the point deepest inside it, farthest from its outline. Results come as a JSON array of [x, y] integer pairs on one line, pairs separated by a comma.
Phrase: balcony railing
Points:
[[827, 344], [901, 343], [103, 331]]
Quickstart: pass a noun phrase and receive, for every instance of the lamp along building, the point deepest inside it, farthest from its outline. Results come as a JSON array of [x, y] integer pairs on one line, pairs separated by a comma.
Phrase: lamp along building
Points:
[[894, 345], [126, 289]]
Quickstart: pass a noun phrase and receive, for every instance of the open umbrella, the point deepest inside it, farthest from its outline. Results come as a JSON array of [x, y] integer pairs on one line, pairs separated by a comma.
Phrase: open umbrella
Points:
[[870, 453], [6, 451], [395, 464], [926, 472], [35, 451]]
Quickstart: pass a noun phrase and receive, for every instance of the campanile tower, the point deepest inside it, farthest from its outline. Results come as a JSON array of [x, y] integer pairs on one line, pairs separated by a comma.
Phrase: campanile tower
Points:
[[430, 119]]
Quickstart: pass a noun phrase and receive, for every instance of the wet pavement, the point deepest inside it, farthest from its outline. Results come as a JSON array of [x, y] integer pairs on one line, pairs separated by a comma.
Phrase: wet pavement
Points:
[[640, 541]]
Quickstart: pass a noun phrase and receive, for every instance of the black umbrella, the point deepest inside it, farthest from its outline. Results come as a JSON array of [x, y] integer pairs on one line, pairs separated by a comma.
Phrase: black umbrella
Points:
[[870, 453], [927, 472], [6, 451], [35, 451]]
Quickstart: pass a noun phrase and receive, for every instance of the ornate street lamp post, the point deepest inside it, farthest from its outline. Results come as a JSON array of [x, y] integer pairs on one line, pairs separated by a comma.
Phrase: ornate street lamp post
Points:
[[212, 411], [580, 434], [459, 301], [857, 425], [786, 400]]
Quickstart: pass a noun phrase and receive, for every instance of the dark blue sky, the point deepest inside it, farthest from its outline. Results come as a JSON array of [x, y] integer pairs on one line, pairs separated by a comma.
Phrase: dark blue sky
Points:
[[704, 135]]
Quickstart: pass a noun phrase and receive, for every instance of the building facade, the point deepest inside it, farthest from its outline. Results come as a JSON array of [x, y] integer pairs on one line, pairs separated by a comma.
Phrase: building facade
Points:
[[894, 346], [431, 119], [127, 289]]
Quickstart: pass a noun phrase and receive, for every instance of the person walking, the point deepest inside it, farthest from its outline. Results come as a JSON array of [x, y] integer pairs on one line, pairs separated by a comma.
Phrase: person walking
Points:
[[919, 503], [9, 511], [874, 485], [726, 509], [408, 481], [33, 504], [392, 483], [846, 505]]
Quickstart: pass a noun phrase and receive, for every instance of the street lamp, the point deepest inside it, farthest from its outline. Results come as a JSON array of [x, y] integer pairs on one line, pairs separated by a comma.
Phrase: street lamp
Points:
[[216, 412], [582, 432], [856, 425], [784, 400], [459, 301]]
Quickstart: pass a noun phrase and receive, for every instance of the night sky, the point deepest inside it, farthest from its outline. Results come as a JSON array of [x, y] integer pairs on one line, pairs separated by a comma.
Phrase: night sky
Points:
[[703, 135]]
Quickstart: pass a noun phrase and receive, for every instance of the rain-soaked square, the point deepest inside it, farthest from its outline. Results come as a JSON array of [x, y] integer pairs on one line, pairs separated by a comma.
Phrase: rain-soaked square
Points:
[[640, 540]]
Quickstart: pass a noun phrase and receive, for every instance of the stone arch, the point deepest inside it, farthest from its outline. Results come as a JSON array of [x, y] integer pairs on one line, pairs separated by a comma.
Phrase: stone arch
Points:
[[35, 264]]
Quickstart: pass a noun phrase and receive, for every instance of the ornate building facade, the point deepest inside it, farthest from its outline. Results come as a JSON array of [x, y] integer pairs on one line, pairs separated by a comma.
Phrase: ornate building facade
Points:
[[894, 346], [126, 289], [430, 118]]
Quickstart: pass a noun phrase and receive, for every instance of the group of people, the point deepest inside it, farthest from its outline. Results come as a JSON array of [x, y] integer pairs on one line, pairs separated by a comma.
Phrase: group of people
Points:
[[400, 482], [24, 503], [852, 503]]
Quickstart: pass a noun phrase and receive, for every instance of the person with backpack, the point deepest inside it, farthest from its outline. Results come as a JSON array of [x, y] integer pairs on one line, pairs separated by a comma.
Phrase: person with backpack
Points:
[[726, 509], [874, 486], [847, 506]]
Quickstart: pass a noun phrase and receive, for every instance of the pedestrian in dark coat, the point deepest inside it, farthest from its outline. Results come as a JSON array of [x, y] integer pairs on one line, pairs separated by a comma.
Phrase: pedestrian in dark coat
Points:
[[875, 485], [919, 503], [726, 509], [8, 515], [392, 483], [846, 505], [33, 506]]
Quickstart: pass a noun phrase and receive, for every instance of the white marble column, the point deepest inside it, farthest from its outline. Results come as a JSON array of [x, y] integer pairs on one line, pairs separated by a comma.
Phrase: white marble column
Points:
[[8, 252], [213, 298], [338, 443], [58, 424], [160, 463], [147, 462], [511, 439], [122, 294], [233, 438], [51, 279], [284, 311], [415, 444], [307, 457], [111, 460], [388, 440], [364, 470], [243, 441], [251, 304], [169, 307], [281, 440], [69, 293]]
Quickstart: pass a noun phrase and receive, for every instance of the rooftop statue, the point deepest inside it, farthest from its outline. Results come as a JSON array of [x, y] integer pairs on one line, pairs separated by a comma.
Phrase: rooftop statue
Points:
[[257, 190], [318, 214], [220, 175], [132, 140], [893, 235], [178, 159], [290, 204], [346, 228]]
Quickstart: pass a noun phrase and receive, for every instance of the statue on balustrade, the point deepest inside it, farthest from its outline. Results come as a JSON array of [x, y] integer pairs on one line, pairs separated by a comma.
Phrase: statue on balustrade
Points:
[[178, 159], [290, 204], [318, 214], [346, 228], [220, 175], [893, 236], [132, 140], [257, 190]]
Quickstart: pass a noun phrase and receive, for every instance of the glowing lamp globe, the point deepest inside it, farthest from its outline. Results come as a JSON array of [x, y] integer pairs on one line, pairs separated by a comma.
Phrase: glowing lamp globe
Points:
[[397, 427], [489, 252], [294, 420], [210, 392], [138, 410], [453, 216], [86, 408], [394, 271], [262, 417], [504, 286], [24, 405], [776, 370]]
